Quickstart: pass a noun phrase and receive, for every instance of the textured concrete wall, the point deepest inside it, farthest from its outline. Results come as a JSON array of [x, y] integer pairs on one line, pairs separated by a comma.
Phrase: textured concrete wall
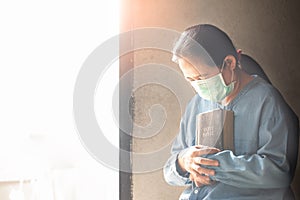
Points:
[[264, 29]]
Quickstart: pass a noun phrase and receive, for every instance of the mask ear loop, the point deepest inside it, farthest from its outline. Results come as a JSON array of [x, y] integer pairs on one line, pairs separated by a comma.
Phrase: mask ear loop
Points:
[[223, 64], [231, 73], [232, 76]]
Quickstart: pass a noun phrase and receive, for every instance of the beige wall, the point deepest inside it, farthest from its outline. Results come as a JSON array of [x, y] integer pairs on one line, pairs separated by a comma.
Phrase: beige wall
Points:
[[264, 29]]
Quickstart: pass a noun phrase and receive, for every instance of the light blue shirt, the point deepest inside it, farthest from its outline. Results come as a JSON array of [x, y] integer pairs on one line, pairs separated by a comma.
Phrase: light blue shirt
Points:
[[266, 145]]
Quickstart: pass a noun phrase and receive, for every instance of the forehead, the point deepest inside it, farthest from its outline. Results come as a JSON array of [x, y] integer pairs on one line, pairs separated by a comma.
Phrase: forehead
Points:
[[190, 70]]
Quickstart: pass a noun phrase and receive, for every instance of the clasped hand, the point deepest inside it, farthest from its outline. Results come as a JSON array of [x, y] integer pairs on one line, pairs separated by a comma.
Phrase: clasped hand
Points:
[[193, 162]]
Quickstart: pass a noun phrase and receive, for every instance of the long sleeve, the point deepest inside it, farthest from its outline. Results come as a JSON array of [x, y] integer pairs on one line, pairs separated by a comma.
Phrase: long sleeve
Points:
[[255, 171], [171, 173], [272, 165], [266, 145], [185, 139]]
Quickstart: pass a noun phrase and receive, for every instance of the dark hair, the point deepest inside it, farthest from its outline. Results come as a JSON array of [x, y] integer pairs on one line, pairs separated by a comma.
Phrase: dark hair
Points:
[[204, 43], [250, 66]]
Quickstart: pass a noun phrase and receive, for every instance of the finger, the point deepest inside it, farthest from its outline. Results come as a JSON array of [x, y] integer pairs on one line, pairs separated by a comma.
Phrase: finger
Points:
[[194, 173], [205, 151], [199, 179], [202, 180], [198, 147], [205, 147], [191, 177], [205, 161], [198, 184], [200, 170]]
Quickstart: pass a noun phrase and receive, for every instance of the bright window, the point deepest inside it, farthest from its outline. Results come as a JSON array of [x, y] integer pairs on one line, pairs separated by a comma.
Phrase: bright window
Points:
[[43, 45]]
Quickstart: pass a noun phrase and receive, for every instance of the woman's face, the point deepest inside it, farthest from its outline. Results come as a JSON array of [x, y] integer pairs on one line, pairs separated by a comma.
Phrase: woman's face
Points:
[[200, 72], [192, 73]]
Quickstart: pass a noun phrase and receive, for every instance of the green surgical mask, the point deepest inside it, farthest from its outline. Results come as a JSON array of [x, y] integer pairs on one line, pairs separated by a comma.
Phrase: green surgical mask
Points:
[[214, 88]]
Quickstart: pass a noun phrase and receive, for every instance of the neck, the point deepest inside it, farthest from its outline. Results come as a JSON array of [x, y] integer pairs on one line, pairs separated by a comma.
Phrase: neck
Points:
[[241, 80]]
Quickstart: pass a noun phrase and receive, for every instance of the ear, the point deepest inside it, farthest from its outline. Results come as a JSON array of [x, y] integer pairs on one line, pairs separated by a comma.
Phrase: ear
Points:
[[230, 62]]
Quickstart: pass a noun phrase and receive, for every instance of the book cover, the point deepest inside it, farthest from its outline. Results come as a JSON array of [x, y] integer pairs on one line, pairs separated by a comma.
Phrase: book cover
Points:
[[215, 128]]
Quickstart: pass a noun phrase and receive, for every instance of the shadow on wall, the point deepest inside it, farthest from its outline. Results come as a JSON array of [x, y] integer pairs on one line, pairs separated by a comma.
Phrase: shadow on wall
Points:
[[252, 67]]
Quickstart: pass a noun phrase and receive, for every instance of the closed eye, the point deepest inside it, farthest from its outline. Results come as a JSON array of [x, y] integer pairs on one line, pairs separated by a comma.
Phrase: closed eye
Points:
[[195, 78], [189, 79]]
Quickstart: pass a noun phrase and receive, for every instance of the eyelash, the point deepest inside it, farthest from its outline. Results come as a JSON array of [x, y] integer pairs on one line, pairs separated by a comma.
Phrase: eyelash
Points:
[[198, 78], [189, 79]]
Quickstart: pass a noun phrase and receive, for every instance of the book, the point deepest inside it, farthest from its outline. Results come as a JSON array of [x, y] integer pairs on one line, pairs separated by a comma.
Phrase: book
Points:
[[215, 129]]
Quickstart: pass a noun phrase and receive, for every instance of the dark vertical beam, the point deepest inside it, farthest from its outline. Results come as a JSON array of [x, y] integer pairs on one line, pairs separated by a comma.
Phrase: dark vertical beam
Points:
[[125, 90]]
